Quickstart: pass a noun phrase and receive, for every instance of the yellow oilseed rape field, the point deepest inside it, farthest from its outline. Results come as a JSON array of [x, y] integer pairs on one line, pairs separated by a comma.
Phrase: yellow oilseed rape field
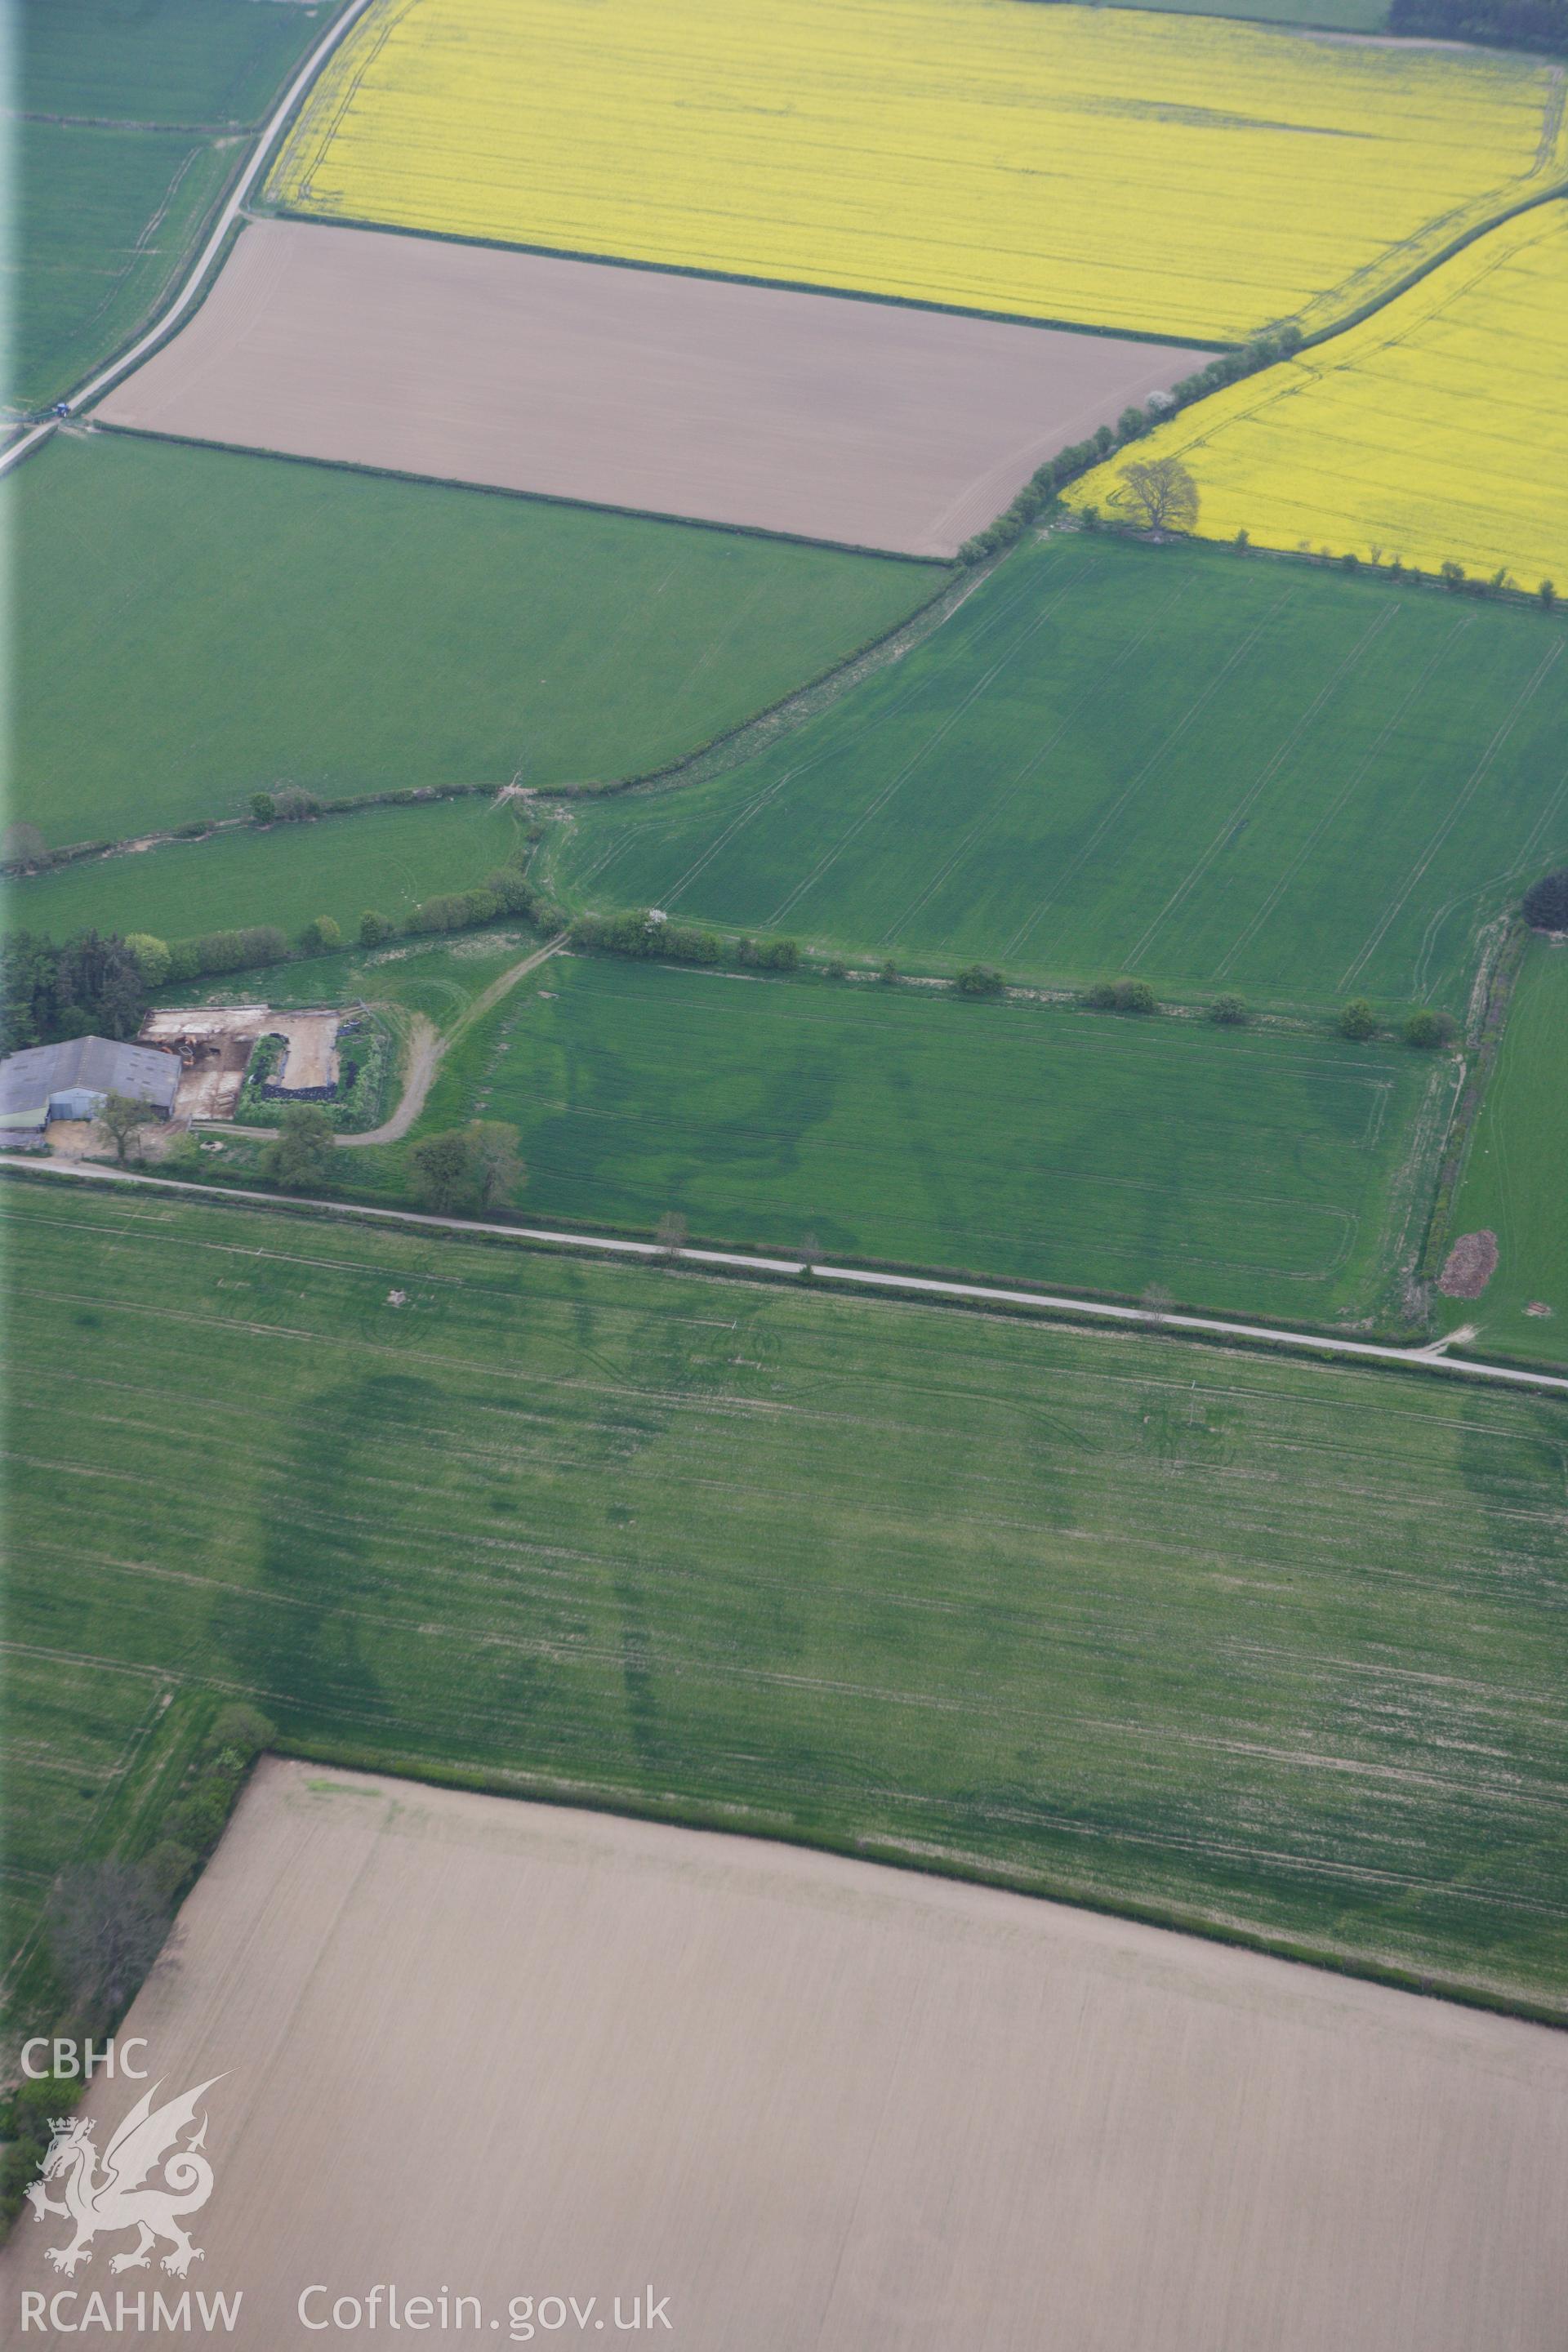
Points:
[[1186, 177], [1435, 432]]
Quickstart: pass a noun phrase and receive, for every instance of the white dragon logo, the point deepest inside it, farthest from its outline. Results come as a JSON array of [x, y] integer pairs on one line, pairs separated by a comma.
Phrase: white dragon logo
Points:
[[101, 2203]]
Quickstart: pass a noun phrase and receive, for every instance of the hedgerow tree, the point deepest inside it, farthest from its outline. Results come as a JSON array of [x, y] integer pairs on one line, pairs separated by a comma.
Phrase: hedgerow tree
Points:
[[1425, 1029], [1158, 494], [473, 1166], [300, 1154], [106, 1926], [152, 954], [122, 1120], [1357, 1019], [1546, 902]]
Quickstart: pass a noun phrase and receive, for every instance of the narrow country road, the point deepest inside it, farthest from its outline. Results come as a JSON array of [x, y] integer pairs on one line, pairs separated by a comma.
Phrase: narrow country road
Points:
[[78, 400], [1315, 1344]]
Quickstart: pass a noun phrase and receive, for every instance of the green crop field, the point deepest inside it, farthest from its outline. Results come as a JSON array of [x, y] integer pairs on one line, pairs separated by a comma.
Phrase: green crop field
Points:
[[382, 857], [1215, 771], [1264, 1645], [106, 219], [1267, 1173], [140, 114], [205, 62], [198, 625], [1515, 1184]]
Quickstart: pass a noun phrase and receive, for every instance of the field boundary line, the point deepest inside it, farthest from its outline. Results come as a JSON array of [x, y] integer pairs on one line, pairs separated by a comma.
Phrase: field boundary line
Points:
[[228, 212], [927, 1288]]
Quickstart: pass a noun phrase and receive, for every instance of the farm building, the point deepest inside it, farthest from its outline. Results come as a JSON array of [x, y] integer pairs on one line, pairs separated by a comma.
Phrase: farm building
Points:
[[71, 1079]]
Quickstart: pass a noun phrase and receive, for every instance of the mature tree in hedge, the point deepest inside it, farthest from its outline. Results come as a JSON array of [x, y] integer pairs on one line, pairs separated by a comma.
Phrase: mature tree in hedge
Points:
[[1123, 996], [124, 1119], [105, 1927], [1357, 1019], [152, 954], [299, 1156], [1157, 494], [1546, 902], [979, 980], [1229, 1012], [374, 929], [1425, 1029], [497, 1163], [472, 1167], [320, 936]]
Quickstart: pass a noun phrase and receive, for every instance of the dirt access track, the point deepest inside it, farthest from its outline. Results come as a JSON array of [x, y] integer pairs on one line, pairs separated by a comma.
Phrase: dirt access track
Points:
[[867, 423], [514, 2050]]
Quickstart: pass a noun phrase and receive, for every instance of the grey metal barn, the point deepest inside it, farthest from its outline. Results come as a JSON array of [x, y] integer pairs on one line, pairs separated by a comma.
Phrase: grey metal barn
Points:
[[71, 1079]]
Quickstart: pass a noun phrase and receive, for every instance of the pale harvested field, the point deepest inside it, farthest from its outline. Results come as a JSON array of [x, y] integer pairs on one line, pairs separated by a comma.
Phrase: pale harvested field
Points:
[[866, 423], [510, 2050]]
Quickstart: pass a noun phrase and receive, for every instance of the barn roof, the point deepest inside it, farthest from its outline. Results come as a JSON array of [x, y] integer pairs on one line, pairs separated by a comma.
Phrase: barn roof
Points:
[[99, 1065]]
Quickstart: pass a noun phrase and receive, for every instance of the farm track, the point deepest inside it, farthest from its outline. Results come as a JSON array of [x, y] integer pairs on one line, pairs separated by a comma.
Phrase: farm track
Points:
[[1433, 1357], [428, 1049], [211, 250]]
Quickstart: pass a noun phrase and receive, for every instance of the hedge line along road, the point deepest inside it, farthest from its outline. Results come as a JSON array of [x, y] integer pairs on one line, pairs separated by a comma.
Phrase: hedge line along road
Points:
[[1433, 1357]]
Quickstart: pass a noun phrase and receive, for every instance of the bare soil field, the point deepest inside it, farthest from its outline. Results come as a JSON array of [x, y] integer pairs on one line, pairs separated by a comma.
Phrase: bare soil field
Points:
[[861, 422], [506, 2051]]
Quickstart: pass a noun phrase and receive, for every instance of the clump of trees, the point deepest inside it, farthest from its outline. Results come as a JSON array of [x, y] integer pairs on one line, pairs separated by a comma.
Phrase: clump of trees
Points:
[[1425, 1029], [94, 985], [979, 980], [1513, 24], [299, 1156], [221, 951], [199, 1815], [477, 1167], [1545, 903], [1123, 996], [320, 936], [106, 1926], [769, 955], [290, 805], [645, 932]]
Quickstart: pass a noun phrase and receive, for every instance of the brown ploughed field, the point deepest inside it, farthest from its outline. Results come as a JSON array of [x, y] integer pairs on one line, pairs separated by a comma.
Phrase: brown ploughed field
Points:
[[866, 423], [508, 2050]]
